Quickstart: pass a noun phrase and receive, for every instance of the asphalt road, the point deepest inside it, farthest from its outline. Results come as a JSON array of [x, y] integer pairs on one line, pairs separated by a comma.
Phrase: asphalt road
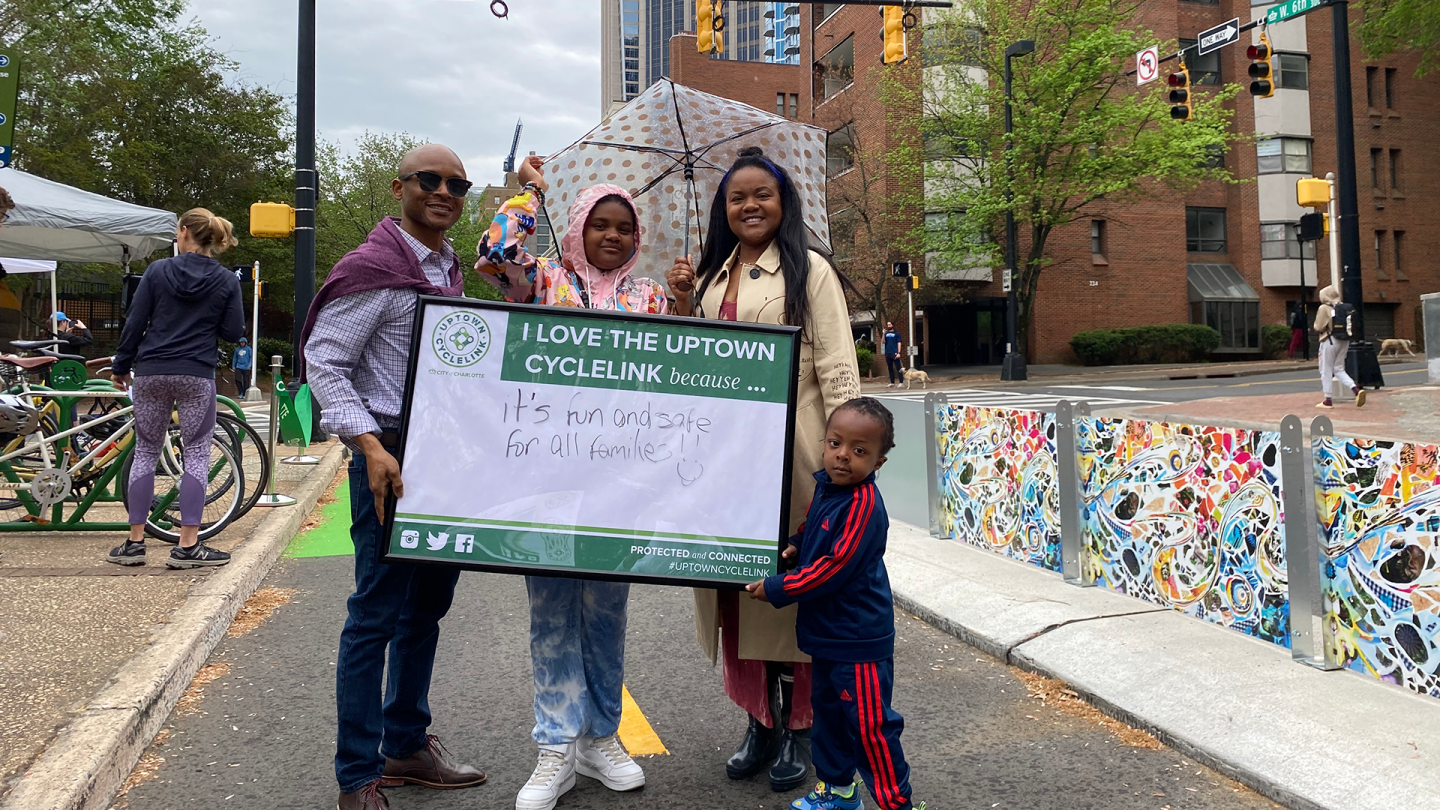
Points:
[[263, 734], [1042, 395]]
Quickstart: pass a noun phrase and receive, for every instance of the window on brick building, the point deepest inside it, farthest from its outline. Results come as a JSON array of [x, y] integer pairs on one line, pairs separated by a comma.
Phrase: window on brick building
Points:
[[1380, 256], [1205, 230], [835, 71], [1222, 299], [1371, 75], [1212, 158], [1203, 2], [1203, 69], [1280, 240], [1277, 155], [1375, 167], [1394, 170], [948, 42], [1389, 88], [1399, 237], [840, 151], [779, 103], [794, 105], [1293, 71], [827, 9], [1097, 241]]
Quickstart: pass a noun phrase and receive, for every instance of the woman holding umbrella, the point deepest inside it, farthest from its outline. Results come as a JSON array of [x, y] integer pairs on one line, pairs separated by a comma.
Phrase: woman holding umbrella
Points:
[[577, 627], [757, 267]]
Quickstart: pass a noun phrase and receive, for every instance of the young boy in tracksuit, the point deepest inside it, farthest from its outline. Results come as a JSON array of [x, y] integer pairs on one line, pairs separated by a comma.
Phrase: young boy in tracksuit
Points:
[[847, 617]]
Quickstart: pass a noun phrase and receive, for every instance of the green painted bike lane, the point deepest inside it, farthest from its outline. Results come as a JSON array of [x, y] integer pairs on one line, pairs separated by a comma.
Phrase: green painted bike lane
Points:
[[331, 536]]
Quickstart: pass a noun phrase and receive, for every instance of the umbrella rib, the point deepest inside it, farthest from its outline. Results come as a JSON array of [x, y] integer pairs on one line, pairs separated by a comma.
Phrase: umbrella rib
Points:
[[634, 147], [733, 136]]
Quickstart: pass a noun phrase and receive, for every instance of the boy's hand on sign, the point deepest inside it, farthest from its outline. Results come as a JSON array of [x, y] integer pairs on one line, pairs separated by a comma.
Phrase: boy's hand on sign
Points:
[[681, 279], [789, 556], [757, 590], [384, 472]]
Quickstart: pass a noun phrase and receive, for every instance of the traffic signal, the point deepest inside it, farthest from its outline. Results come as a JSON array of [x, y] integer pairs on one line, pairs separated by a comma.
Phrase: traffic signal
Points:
[[1179, 94], [1262, 72], [892, 31], [1312, 192], [914, 282], [900, 269], [1313, 227], [271, 220], [709, 25]]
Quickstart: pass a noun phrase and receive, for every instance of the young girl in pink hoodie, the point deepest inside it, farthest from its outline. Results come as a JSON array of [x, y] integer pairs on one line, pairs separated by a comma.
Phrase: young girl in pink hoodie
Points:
[[595, 258], [577, 627]]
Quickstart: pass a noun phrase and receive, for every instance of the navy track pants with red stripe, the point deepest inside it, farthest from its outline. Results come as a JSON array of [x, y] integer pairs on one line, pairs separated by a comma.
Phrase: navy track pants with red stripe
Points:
[[855, 728]]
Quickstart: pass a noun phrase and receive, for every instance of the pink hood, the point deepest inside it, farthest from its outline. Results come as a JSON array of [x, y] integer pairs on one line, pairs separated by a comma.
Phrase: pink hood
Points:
[[599, 283]]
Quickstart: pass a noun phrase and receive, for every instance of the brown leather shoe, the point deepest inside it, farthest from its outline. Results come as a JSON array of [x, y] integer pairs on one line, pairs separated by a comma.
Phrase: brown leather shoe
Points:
[[366, 798], [431, 767]]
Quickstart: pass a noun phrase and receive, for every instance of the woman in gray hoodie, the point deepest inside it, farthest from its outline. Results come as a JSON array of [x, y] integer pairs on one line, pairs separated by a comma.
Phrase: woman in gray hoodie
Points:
[[182, 308]]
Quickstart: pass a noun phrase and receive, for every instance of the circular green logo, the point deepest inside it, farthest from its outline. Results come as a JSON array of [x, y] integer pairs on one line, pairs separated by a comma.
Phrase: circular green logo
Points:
[[460, 339]]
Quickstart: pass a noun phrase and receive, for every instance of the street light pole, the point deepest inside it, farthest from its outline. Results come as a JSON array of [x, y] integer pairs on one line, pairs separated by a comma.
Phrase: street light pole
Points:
[[1361, 361], [305, 178], [1013, 367]]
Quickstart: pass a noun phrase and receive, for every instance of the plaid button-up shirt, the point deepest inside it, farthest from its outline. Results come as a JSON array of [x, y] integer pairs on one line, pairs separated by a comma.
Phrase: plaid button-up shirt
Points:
[[355, 358]]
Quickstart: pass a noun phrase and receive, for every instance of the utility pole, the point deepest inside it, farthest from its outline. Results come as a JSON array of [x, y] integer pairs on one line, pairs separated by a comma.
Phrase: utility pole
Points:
[[1361, 361], [1013, 366], [305, 178]]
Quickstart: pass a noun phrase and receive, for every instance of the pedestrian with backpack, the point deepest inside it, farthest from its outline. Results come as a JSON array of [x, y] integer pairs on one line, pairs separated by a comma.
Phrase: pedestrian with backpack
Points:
[[1334, 321]]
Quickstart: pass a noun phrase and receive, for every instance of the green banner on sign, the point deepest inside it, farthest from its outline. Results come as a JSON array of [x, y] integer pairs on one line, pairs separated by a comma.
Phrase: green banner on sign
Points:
[[576, 443], [1291, 8], [9, 92]]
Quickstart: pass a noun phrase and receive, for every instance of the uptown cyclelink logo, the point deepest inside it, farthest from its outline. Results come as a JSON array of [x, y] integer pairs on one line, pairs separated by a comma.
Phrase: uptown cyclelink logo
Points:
[[460, 339]]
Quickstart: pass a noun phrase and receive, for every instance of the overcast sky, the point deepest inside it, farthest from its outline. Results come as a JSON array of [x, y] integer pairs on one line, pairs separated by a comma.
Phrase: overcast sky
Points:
[[446, 71]]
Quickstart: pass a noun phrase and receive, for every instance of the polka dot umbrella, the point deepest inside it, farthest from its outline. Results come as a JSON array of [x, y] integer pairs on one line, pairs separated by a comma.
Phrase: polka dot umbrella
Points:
[[670, 147]]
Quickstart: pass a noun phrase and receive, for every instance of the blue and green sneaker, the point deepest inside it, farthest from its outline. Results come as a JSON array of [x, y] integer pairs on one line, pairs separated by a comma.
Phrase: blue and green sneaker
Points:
[[830, 797]]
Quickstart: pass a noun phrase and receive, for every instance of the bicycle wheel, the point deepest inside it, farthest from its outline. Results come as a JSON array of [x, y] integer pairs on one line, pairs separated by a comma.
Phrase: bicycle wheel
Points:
[[224, 491], [249, 449]]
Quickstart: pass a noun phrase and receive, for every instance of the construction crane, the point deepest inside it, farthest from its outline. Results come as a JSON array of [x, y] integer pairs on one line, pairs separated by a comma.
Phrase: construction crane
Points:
[[514, 145]]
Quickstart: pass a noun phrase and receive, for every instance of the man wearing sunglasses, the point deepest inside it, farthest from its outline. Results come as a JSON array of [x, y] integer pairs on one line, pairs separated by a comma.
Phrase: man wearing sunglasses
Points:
[[356, 341]]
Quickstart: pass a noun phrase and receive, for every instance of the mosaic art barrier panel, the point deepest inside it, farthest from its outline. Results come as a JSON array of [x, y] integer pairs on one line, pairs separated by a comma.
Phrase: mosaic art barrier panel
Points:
[[1380, 536], [1187, 517], [997, 481]]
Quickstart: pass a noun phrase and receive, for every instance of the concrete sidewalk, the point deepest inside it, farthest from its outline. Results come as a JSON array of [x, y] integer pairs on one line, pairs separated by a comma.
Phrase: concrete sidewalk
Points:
[[96, 655], [1309, 739], [1409, 414]]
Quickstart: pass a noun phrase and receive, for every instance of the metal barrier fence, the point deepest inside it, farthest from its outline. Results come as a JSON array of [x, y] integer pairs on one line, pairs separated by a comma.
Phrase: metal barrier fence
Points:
[[1330, 547]]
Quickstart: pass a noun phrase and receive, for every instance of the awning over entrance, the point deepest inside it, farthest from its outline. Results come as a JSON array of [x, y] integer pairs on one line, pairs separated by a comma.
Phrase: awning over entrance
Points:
[[1218, 282], [1221, 299]]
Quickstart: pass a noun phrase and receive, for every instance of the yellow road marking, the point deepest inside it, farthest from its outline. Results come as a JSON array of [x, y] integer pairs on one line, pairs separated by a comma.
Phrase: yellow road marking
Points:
[[635, 731]]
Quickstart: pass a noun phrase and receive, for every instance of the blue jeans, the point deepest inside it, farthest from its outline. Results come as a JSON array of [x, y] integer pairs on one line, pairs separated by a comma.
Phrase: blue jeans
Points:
[[577, 647], [394, 607]]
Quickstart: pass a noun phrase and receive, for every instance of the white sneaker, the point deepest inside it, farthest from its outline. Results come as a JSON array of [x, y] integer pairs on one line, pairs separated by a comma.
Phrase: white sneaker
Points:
[[604, 758], [554, 776]]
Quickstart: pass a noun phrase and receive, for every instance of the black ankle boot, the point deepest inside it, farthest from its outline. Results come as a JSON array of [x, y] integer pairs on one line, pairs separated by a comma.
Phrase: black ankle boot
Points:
[[755, 752], [791, 767]]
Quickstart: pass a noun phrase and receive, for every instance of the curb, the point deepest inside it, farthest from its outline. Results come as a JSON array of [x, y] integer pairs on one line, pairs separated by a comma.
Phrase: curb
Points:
[[1012, 656], [89, 760]]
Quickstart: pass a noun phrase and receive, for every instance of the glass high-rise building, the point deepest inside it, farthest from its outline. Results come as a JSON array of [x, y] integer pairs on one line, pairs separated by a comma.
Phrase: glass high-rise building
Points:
[[635, 41]]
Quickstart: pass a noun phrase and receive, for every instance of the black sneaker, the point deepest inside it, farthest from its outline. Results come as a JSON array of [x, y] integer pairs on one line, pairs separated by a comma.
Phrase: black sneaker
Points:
[[197, 556], [129, 554]]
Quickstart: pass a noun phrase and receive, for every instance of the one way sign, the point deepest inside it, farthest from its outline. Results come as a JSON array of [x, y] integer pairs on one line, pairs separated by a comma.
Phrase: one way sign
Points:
[[1218, 37]]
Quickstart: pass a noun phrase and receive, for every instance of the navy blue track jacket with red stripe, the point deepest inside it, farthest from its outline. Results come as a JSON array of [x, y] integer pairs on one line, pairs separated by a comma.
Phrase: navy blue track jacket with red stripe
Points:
[[846, 611]]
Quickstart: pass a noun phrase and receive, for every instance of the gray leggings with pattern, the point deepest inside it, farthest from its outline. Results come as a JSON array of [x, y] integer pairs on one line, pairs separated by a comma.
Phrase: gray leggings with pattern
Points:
[[155, 396]]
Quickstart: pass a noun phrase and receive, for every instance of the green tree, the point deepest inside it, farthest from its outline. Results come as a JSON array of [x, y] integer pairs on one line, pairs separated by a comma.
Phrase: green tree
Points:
[[1084, 136], [1397, 25]]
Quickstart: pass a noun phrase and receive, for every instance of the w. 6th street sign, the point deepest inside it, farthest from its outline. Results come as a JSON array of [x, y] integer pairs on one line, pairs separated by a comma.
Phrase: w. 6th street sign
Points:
[[1292, 8]]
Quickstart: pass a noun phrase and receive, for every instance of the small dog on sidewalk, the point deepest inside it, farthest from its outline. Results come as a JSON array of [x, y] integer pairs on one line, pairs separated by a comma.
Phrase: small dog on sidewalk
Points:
[[916, 375], [1393, 347]]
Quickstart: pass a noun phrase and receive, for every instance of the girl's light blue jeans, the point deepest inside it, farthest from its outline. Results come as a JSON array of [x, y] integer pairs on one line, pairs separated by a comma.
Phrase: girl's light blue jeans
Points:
[[577, 647]]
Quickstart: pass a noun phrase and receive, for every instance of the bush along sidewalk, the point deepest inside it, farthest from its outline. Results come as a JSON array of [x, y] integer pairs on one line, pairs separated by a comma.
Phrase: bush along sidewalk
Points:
[[1168, 343]]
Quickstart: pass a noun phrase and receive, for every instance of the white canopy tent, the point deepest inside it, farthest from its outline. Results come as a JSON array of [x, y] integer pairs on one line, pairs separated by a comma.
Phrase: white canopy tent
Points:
[[55, 222]]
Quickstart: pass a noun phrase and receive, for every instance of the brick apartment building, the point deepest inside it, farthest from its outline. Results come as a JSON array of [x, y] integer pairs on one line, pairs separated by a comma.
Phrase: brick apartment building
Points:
[[1223, 254]]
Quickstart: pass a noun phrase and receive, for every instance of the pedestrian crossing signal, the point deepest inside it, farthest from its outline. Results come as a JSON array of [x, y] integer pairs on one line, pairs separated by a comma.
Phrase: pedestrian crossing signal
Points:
[[1262, 70], [1179, 94]]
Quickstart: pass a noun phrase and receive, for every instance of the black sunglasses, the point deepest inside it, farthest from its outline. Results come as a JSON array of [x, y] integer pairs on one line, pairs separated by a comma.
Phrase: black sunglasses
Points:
[[430, 182]]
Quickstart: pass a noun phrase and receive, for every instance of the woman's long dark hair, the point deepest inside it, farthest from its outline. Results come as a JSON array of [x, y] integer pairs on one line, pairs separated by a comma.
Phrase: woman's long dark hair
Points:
[[791, 239]]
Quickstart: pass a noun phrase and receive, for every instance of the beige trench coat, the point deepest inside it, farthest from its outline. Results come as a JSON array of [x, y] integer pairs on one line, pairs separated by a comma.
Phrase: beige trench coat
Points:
[[828, 376]]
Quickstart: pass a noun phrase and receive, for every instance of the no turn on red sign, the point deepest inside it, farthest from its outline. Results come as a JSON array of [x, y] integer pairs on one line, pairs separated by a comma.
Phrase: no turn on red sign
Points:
[[1147, 64]]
